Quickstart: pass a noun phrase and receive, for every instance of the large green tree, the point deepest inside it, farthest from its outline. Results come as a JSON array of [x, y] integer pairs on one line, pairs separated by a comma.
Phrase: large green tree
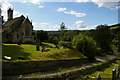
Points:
[[62, 26], [86, 45], [103, 38], [118, 39], [40, 37]]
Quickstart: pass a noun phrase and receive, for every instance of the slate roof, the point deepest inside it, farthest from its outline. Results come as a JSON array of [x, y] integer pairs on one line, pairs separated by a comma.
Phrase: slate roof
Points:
[[15, 23]]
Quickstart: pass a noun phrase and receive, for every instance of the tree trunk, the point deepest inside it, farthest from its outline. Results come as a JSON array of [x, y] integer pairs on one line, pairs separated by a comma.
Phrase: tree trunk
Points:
[[37, 48]]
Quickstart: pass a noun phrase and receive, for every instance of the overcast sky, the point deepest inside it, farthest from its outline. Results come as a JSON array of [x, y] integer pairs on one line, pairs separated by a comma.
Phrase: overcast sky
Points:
[[76, 14]]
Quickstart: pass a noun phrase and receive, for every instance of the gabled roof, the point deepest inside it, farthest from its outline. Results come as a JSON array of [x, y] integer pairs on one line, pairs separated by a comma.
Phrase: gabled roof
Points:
[[9, 23], [24, 21], [15, 23]]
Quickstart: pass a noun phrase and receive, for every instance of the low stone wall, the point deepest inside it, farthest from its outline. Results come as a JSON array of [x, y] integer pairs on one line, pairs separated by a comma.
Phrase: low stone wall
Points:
[[73, 74], [18, 68], [83, 71]]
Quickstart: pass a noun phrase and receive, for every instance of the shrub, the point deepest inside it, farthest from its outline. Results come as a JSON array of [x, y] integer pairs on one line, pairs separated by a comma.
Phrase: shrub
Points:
[[85, 45], [53, 40], [118, 39], [65, 44]]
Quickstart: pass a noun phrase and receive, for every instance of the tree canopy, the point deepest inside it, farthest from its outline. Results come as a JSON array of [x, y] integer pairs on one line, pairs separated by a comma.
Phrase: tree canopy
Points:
[[42, 35], [62, 26], [103, 38], [86, 45]]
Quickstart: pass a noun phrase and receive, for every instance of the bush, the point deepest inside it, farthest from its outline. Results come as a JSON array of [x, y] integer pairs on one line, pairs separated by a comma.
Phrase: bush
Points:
[[53, 40], [118, 39], [85, 45], [65, 44]]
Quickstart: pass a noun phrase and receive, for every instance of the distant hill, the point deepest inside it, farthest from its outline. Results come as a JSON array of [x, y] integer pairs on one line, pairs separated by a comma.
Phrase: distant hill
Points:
[[115, 28]]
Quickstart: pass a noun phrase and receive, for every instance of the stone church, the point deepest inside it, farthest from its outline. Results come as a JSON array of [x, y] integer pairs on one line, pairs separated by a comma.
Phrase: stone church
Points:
[[1, 18], [18, 29]]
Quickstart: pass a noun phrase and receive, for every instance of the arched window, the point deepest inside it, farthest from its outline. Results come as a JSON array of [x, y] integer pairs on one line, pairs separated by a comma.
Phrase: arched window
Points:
[[27, 31]]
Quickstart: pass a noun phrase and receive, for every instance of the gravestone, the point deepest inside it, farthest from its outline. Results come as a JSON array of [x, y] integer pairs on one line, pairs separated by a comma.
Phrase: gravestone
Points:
[[114, 74]]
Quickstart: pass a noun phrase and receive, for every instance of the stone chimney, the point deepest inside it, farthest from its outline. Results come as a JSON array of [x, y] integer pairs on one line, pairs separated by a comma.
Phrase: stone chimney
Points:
[[10, 14]]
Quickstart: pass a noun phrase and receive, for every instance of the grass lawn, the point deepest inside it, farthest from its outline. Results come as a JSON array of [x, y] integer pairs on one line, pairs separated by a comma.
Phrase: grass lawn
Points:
[[105, 73], [28, 52]]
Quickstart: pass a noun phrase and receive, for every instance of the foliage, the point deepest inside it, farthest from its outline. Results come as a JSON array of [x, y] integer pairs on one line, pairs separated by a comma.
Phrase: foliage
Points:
[[62, 26], [89, 33], [42, 35], [65, 44], [85, 45], [118, 39], [103, 38], [53, 40], [68, 36]]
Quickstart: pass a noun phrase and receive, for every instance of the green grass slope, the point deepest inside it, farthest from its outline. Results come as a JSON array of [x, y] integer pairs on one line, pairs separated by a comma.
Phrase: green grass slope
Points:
[[106, 73], [28, 52]]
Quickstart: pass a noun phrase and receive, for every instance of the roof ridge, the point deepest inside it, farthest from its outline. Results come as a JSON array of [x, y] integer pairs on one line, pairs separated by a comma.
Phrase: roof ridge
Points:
[[8, 24]]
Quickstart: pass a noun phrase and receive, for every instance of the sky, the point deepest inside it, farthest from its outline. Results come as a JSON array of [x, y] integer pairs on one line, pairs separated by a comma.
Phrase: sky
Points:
[[76, 14]]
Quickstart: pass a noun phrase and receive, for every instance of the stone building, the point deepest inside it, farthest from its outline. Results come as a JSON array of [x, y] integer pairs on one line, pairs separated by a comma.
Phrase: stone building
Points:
[[18, 29], [1, 18]]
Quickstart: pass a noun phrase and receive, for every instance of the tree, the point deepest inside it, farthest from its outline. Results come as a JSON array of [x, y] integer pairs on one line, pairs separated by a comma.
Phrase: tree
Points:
[[68, 36], [53, 40], [118, 39], [103, 38], [41, 36], [65, 44], [86, 45], [62, 26]]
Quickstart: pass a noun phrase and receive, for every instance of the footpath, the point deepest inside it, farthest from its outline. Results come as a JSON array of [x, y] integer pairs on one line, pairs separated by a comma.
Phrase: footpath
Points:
[[69, 73]]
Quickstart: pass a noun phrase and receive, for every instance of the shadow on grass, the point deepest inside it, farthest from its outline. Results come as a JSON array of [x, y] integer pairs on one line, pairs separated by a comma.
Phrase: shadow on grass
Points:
[[15, 52]]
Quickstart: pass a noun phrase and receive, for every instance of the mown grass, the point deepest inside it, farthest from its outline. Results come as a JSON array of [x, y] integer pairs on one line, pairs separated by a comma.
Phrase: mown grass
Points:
[[28, 52]]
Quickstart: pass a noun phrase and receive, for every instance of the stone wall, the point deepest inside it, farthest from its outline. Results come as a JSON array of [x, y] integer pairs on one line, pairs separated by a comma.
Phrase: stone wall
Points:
[[17, 68]]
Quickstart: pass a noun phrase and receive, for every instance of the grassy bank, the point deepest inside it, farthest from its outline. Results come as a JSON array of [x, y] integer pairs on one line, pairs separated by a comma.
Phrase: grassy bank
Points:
[[105, 73], [27, 52], [72, 72]]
